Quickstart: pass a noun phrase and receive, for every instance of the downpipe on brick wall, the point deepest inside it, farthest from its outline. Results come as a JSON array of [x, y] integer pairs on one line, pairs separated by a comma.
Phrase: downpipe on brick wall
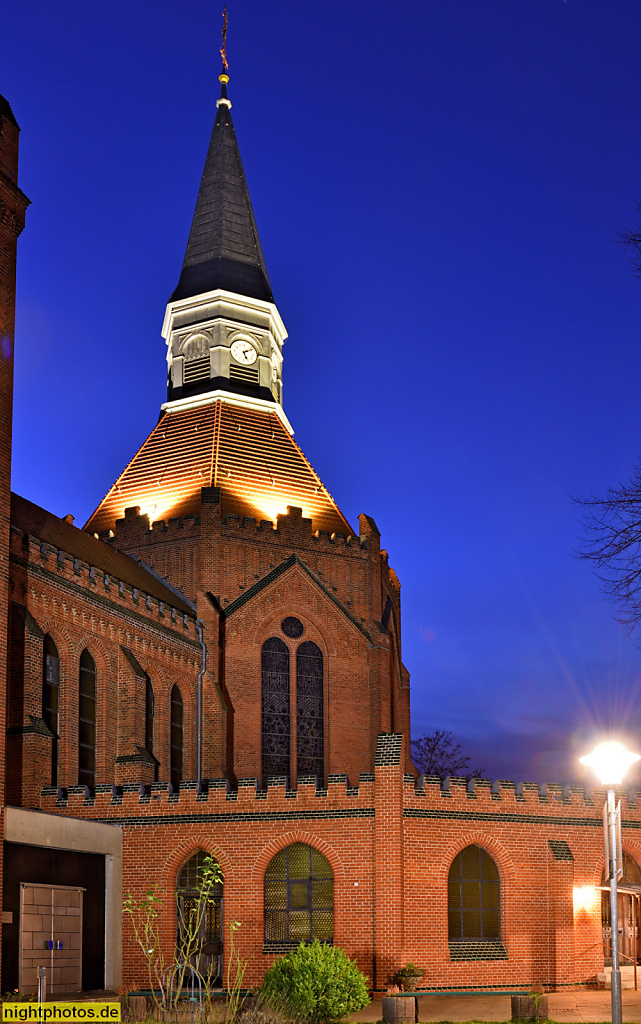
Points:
[[199, 728]]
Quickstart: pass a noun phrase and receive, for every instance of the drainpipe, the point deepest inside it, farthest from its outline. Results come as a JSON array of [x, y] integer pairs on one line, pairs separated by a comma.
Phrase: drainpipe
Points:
[[199, 633]]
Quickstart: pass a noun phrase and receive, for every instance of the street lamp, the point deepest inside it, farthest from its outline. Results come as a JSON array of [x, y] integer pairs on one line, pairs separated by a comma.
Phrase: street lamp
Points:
[[609, 762]]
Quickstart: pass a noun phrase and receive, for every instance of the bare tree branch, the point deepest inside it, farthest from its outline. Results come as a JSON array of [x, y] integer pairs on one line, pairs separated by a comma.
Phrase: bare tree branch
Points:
[[438, 754], [611, 540], [630, 240]]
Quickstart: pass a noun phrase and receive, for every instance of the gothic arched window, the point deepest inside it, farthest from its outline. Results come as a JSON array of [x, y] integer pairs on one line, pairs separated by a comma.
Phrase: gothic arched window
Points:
[[473, 897], [51, 698], [275, 707], [87, 721], [176, 737], [309, 710], [299, 896]]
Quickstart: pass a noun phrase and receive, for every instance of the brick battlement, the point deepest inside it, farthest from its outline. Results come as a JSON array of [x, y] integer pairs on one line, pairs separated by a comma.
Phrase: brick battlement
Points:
[[337, 799], [59, 566], [458, 792]]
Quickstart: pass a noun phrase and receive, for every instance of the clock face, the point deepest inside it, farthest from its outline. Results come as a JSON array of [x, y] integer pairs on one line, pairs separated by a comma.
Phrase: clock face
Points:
[[244, 352]]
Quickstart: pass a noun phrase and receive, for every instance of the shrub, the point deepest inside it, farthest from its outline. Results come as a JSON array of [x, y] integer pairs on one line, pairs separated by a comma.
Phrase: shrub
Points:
[[316, 983]]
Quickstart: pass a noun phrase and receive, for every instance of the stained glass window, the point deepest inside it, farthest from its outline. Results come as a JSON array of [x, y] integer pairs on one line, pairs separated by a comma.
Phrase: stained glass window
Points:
[[299, 896], [50, 699], [473, 897], [275, 707], [309, 710], [87, 721], [176, 737]]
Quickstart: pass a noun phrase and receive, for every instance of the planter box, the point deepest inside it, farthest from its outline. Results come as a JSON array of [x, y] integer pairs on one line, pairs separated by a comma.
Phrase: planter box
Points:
[[528, 1008], [409, 982], [400, 1009]]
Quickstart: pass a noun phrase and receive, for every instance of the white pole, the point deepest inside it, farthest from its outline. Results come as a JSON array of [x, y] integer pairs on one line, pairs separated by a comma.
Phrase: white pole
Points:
[[617, 1009]]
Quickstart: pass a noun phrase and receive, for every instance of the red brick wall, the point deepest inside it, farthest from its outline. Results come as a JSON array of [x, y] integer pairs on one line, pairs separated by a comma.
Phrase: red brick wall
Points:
[[79, 609], [372, 836]]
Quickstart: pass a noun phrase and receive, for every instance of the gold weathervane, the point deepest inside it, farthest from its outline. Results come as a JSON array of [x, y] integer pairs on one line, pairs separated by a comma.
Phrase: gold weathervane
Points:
[[223, 49]]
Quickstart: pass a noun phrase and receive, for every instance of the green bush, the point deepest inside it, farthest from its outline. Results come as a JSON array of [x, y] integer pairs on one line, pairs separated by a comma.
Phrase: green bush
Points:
[[316, 983]]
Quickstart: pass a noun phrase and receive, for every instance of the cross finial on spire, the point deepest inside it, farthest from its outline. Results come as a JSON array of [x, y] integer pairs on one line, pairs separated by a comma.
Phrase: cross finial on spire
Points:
[[223, 49]]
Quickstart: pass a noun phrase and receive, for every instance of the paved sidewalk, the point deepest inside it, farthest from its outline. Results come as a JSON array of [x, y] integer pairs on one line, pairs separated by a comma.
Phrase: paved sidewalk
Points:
[[566, 1007]]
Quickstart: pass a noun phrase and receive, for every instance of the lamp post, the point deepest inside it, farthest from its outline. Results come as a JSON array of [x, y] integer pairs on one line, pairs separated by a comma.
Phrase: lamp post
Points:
[[610, 761]]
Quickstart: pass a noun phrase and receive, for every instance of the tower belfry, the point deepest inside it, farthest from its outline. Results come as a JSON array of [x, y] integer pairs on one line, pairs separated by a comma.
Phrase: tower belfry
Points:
[[224, 334]]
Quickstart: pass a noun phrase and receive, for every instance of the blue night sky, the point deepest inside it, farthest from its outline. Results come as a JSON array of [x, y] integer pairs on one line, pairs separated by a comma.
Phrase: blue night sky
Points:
[[437, 186]]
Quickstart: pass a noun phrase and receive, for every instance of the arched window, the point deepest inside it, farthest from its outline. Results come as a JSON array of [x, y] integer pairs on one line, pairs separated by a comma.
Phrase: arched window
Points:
[[473, 897], [51, 698], [275, 707], [299, 896], [309, 710], [628, 915], [87, 721], [176, 738], [149, 716], [189, 889]]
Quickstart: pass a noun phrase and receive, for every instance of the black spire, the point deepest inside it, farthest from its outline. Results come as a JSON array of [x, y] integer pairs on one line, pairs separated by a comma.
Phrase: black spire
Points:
[[223, 250]]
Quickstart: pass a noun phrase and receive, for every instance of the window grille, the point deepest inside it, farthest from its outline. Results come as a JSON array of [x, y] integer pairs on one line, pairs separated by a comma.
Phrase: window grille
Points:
[[473, 897], [210, 931], [197, 369], [248, 374], [309, 710], [176, 737], [51, 699], [87, 721], [299, 896], [275, 707], [629, 922]]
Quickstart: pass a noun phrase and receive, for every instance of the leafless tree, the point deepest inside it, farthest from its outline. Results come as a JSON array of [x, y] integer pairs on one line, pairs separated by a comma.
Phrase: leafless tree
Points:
[[437, 753], [630, 240], [612, 542]]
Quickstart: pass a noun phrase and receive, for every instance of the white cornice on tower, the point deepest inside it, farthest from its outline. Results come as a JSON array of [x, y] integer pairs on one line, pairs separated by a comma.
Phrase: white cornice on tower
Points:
[[242, 401]]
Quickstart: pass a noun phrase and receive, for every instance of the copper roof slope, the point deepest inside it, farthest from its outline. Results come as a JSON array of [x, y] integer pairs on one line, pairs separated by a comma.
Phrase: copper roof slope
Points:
[[166, 474], [224, 249], [261, 470], [37, 522], [247, 453]]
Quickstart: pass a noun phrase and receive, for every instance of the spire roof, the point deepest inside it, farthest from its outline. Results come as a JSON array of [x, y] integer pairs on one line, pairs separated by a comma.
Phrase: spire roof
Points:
[[224, 249]]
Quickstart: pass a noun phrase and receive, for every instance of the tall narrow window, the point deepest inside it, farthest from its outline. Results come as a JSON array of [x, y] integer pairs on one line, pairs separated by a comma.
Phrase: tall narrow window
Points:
[[275, 707], [87, 722], [299, 896], [149, 716], [473, 897], [200, 908], [50, 699], [176, 737], [309, 710]]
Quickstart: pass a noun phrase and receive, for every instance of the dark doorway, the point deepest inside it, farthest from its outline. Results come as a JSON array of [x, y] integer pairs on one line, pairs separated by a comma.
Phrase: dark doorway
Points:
[[55, 867]]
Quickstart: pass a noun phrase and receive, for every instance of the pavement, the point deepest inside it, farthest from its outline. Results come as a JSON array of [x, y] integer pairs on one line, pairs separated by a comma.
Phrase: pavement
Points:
[[589, 1005]]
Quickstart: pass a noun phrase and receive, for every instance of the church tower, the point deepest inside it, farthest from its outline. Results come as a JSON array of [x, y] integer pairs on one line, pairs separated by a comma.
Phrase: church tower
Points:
[[301, 614]]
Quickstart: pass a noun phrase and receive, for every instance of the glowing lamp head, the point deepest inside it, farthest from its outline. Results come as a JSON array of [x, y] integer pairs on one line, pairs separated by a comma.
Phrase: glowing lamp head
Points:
[[609, 762]]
